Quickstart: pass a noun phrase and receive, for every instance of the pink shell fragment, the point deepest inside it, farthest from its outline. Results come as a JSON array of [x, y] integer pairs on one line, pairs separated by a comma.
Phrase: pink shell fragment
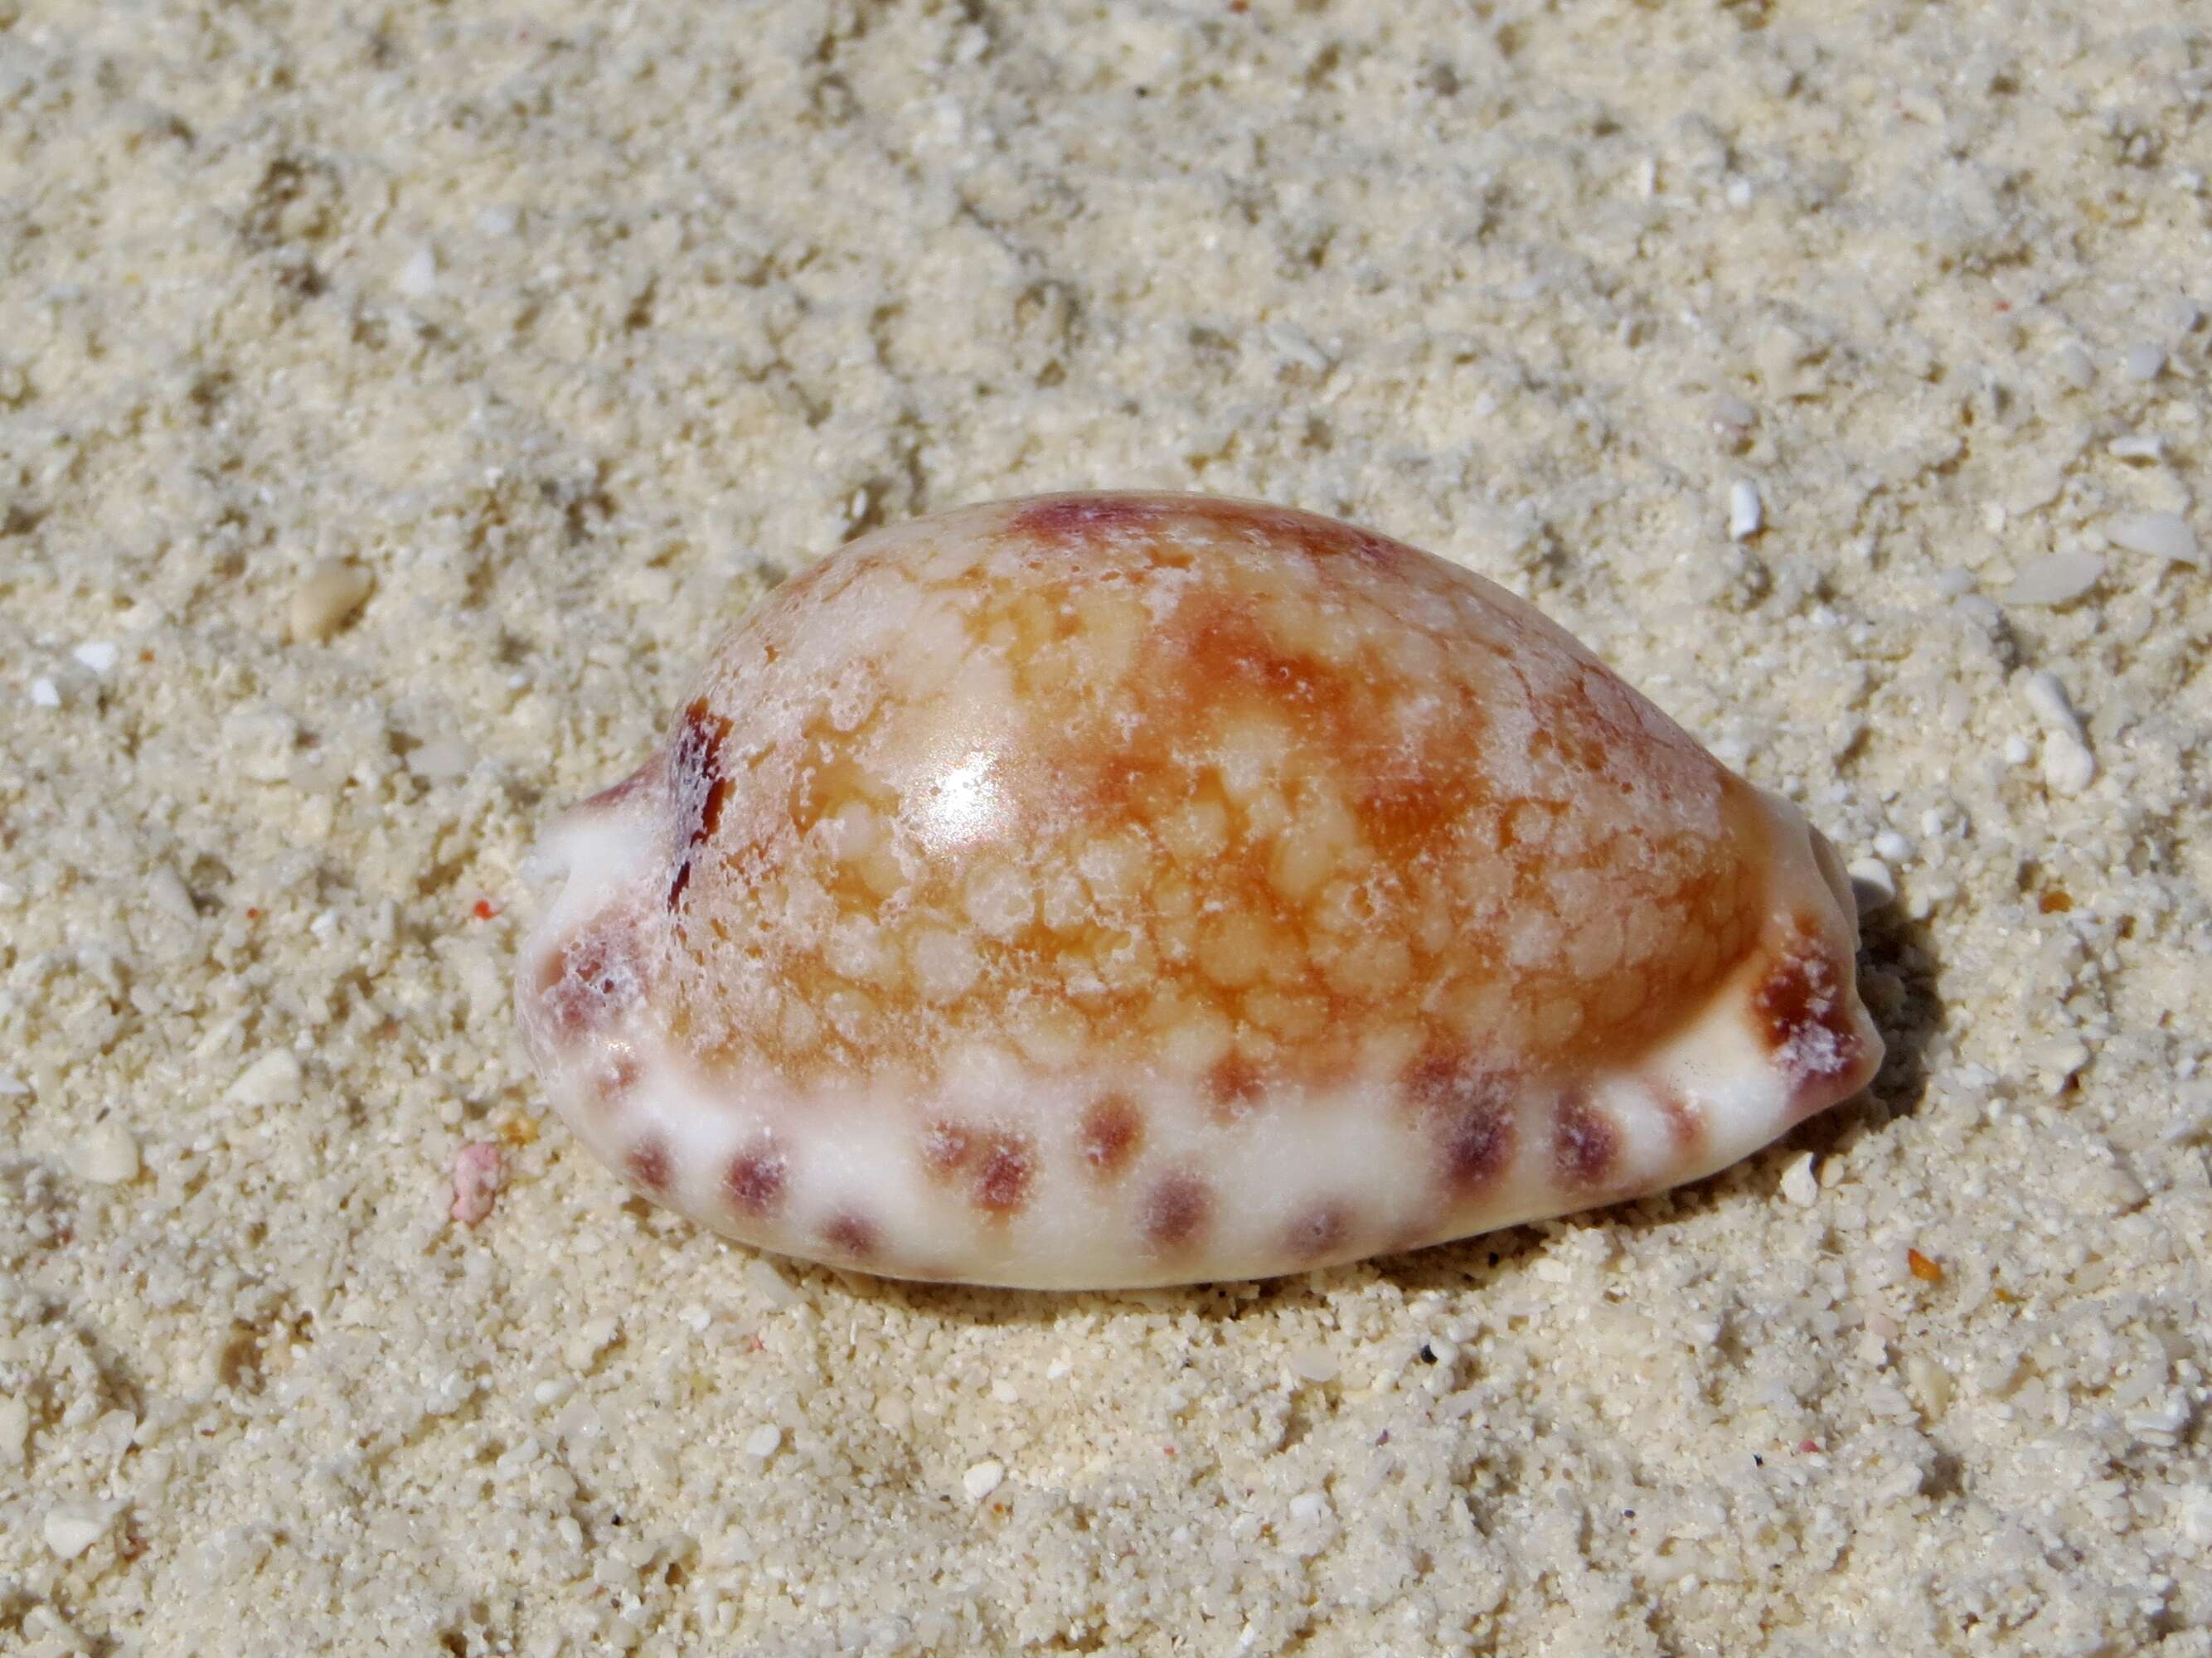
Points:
[[479, 1171], [1102, 891]]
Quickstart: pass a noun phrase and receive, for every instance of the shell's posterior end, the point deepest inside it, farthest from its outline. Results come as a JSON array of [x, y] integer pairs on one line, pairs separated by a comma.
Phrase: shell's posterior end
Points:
[[582, 973]]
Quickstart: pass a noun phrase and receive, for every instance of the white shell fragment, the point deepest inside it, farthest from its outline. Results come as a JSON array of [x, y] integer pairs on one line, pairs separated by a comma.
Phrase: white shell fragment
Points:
[[2161, 535], [1109, 891], [2057, 579]]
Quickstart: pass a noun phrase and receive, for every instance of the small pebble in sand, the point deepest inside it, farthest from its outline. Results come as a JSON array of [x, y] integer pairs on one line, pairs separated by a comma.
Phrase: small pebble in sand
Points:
[[1799, 1185], [1310, 1525], [1746, 512], [1930, 1381], [107, 1155], [762, 1442], [1122, 889], [329, 593], [72, 1528], [982, 1479], [14, 1431], [440, 762], [2162, 1420], [45, 693], [2143, 362], [1294, 346], [2046, 699], [2073, 366], [2068, 767], [1731, 418], [419, 275], [271, 1079]]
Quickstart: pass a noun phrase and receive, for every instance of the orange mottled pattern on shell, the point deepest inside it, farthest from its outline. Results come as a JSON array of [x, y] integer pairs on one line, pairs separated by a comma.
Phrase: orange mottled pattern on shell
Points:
[[1234, 790]]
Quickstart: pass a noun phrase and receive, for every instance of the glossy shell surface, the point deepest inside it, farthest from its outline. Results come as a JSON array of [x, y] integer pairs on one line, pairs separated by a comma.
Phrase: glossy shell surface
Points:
[[1107, 890]]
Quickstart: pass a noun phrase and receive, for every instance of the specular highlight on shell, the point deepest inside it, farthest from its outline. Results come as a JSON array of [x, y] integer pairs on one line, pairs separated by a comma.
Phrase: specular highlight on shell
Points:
[[1107, 890]]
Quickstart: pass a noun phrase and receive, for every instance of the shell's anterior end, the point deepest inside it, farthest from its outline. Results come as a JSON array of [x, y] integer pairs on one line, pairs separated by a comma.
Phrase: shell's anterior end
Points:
[[1108, 890]]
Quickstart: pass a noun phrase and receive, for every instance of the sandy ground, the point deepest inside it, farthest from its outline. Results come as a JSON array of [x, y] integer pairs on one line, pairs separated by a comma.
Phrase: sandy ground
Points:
[[551, 337]]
